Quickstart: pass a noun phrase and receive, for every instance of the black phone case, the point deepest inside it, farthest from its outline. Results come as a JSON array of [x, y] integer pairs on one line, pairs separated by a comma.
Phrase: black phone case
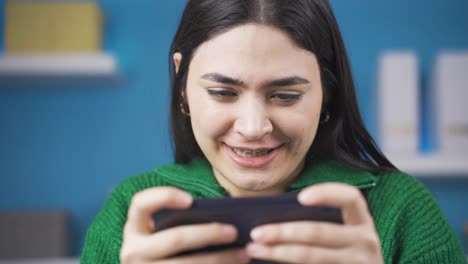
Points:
[[244, 213]]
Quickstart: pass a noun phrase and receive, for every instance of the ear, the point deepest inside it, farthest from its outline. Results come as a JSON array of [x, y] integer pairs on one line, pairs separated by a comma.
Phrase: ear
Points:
[[177, 57]]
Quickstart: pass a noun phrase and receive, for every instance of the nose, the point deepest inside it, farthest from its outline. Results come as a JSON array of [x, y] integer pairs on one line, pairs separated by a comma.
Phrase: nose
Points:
[[253, 122]]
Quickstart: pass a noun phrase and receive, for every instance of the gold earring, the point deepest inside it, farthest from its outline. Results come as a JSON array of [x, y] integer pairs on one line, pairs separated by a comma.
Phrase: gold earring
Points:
[[182, 105], [183, 111], [326, 119]]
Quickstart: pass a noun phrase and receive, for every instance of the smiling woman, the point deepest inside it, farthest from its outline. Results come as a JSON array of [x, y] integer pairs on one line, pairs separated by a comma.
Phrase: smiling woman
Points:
[[255, 99], [263, 103]]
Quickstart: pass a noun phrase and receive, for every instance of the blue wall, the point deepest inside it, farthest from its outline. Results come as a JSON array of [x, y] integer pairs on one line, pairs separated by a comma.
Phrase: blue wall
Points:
[[67, 147]]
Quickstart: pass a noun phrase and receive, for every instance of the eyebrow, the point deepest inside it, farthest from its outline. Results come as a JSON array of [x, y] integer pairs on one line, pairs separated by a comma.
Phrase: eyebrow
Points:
[[288, 81]]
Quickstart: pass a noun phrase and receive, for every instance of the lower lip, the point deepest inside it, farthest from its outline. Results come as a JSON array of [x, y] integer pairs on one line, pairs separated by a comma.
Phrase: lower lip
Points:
[[252, 162]]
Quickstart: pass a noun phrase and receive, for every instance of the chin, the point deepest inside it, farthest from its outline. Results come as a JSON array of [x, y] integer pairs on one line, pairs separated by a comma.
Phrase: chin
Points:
[[256, 185]]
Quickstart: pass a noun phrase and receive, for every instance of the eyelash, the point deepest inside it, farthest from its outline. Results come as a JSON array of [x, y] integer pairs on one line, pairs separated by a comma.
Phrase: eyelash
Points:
[[286, 97], [283, 98], [222, 93]]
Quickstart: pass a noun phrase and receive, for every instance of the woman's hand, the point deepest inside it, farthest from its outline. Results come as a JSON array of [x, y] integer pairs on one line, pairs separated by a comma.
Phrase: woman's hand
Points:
[[142, 245], [355, 242]]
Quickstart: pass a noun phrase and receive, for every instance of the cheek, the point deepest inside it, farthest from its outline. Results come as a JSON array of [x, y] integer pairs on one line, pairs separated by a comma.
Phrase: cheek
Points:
[[208, 121], [301, 127], [200, 114]]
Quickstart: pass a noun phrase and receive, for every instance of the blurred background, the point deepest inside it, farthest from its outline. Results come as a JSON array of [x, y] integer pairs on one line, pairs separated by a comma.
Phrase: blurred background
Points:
[[72, 128]]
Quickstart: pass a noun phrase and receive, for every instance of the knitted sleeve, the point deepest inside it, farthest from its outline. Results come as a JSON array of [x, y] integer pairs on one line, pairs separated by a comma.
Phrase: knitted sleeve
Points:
[[104, 237], [411, 225]]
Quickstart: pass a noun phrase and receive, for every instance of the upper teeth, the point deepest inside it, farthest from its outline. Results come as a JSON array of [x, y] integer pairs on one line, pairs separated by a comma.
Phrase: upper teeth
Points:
[[251, 153]]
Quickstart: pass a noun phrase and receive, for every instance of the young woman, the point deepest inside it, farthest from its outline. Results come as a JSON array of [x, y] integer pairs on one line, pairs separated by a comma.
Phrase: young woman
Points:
[[263, 103]]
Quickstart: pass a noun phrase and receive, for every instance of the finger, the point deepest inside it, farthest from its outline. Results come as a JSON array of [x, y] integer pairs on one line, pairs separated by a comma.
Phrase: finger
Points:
[[225, 257], [175, 240], [305, 232], [295, 253], [347, 197], [146, 202]]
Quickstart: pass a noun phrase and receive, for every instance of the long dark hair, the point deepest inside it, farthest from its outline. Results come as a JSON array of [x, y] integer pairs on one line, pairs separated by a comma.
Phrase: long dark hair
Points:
[[312, 25]]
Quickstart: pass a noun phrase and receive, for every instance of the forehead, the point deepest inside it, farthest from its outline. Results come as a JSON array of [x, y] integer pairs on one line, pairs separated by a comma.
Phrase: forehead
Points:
[[253, 49]]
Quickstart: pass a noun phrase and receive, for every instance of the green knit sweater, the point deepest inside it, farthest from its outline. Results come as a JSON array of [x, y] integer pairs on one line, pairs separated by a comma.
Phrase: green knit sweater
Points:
[[411, 226]]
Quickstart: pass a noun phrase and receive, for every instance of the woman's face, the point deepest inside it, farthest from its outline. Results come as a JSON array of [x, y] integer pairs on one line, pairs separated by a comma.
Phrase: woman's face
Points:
[[255, 99]]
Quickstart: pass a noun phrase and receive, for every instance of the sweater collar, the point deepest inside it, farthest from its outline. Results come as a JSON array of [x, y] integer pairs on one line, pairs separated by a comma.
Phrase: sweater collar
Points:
[[198, 174], [332, 171]]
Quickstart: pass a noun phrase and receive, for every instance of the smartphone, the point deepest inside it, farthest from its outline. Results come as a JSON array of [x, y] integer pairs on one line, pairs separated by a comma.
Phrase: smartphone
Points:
[[244, 213]]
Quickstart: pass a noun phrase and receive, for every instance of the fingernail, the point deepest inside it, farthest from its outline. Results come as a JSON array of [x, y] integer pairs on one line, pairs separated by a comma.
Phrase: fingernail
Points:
[[184, 198], [228, 231], [255, 248], [257, 234], [305, 197], [242, 256]]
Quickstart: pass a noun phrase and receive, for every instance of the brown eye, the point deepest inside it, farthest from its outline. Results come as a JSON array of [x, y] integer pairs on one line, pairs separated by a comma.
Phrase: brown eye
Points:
[[286, 97], [223, 93]]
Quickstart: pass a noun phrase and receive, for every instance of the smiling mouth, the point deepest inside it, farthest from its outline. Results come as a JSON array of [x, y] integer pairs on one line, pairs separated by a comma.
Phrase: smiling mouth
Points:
[[252, 158], [251, 153]]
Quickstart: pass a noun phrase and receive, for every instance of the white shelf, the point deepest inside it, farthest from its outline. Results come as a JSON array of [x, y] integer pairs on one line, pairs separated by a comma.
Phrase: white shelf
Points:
[[433, 166], [58, 65], [50, 67]]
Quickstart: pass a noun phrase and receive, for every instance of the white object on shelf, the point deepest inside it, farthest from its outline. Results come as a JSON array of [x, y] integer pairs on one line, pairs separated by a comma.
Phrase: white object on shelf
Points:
[[398, 103], [448, 94], [57, 65], [432, 165]]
